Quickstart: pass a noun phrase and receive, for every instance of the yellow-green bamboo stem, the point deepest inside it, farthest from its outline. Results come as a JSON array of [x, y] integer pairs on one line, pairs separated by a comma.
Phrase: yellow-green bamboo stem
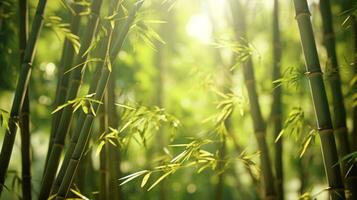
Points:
[[320, 102], [66, 117], [20, 91], [258, 121], [276, 112], [25, 113], [105, 75], [340, 127]]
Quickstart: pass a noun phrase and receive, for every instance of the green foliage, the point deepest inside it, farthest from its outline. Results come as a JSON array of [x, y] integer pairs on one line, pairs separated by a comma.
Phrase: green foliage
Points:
[[242, 49], [140, 120], [193, 156], [351, 161], [292, 77], [85, 102], [9, 55], [142, 29], [225, 108], [348, 15], [295, 126], [83, 4], [4, 118], [249, 163], [60, 28]]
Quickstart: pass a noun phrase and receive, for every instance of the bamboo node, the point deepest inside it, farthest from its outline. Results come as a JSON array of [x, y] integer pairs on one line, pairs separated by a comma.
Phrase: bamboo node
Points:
[[341, 129], [325, 130], [302, 14], [58, 145], [313, 73]]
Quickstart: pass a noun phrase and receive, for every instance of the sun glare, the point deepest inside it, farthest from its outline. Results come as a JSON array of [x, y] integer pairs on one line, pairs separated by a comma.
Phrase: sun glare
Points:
[[200, 28]]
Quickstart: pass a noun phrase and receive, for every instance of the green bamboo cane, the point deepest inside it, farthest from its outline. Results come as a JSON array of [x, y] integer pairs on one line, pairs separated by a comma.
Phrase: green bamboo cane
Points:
[[319, 99], [66, 117], [20, 92], [103, 161], [354, 112], [340, 127], [85, 133], [258, 121], [276, 112], [347, 5], [354, 135], [76, 133], [81, 119], [114, 152], [25, 113], [68, 54]]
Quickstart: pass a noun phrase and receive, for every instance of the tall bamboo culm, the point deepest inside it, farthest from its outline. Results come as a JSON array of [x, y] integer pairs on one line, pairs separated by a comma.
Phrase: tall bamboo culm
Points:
[[319, 98], [112, 51], [114, 151], [103, 157], [258, 121], [25, 113], [354, 130], [68, 53], [67, 113], [339, 119], [20, 91], [276, 112], [75, 136], [101, 53]]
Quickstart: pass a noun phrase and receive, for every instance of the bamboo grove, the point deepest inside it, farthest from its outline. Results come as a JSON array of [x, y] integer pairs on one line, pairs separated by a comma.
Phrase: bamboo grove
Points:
[[178, 99]]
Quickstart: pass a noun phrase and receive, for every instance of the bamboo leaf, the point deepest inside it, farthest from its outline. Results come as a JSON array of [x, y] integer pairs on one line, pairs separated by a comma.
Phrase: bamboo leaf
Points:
[[79, 194], [132, 176], [99, 148], [159, 180], [145, 179]]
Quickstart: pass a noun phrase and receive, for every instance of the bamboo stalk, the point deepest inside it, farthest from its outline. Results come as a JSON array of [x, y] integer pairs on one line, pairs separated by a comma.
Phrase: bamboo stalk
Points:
[[75, 136], [20, 91], [340, 127], [68, 54], [25, 113], [103, 161], [354, 112], [258, 121], [276, 112], [319, 98], [220, 185], [81, 118], [66, 117], [114, 152], [85, 133]]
